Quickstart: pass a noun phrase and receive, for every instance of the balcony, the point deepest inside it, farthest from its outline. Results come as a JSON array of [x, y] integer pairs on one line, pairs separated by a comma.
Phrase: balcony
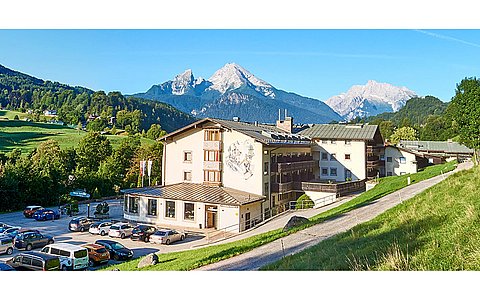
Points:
[[375, 163], [212, 145], [292, 166], [339, 188], [282, 187], [375, 150], [292, 158], [212, 165]]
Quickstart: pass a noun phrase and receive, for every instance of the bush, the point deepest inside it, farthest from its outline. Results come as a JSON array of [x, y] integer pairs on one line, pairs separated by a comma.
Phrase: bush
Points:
[[304, 201]]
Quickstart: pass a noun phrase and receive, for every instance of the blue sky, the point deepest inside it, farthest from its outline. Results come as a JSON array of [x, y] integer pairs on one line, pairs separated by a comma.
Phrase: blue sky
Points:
[[314, 63]]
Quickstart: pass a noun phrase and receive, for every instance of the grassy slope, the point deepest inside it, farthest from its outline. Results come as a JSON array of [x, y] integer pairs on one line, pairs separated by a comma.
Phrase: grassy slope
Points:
[[28, 135], [191, 259], [436, 230]]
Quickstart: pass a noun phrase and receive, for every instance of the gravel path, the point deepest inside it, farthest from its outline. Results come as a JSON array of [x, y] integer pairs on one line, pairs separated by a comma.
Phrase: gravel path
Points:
[[301, 240]]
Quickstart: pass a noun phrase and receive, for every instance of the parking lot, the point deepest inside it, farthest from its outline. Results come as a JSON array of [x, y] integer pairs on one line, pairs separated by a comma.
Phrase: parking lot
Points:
[[59, 230]]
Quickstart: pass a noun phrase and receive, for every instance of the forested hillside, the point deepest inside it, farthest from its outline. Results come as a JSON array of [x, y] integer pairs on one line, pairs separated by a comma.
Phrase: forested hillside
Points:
[[75, 105]]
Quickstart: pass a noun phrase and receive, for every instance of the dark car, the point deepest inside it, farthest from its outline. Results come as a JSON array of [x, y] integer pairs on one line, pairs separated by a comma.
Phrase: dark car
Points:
[[30, 210], [142, 232], [5, 267], [30, 240], [35, 261], [80, 224], [46, 214], [117, 250]]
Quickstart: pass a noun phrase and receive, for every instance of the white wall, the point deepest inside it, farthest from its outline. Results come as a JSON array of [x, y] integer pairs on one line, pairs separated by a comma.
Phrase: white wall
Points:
[[228, 218], [191, 140], [255, 211], [397, 168], [356, 164]]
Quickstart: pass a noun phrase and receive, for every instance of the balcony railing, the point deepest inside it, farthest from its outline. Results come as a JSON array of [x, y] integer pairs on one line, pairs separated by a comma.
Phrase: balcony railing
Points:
[[212, 145], [339, 188], [212, 165], [376, 150], [292, 166], [293, 158]]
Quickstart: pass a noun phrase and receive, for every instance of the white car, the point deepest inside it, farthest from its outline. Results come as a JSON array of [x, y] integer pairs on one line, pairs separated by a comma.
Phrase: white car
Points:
[[121, 230], [100, 228]]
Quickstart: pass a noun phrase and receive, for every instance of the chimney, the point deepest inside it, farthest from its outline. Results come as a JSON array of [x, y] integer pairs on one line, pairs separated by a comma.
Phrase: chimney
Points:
[[286, 125], [236, 119], [256, 123]]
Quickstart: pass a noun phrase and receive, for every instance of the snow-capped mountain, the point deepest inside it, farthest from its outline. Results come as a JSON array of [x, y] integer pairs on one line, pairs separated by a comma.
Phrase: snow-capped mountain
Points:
[[233, 91], [370, 100]]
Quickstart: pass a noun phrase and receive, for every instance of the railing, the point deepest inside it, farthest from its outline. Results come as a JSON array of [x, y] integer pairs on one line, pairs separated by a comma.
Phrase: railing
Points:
[[212, 145], [282, 167], [294, 158], [340, 188], [212, 165], [282, 187]]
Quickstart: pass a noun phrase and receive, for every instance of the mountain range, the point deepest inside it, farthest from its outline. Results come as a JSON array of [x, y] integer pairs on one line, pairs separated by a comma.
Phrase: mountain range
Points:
[[232, 91], [369, 100]]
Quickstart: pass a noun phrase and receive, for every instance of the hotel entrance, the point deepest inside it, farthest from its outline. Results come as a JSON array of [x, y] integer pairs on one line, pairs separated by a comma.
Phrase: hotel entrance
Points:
[[211, 217]]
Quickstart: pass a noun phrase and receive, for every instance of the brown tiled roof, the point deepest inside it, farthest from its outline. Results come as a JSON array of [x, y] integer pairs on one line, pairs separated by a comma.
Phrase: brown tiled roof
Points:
[[340, 131], [197, 193]]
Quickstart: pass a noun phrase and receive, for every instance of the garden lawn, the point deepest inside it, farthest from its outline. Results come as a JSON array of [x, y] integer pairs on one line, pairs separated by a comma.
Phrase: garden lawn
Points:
[[192, 259]]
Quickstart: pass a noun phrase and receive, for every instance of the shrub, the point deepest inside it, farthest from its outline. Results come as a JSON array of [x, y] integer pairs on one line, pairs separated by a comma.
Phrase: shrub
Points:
[[304, 201]]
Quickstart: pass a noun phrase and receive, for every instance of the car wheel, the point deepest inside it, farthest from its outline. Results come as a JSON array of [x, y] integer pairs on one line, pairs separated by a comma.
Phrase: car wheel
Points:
[[122, 236], [28, 247], [90, 263], [64, 268], [115, 257], [9, 251], [167, 242], [102, 233], [82, 229], [146, 239], [182, 237]]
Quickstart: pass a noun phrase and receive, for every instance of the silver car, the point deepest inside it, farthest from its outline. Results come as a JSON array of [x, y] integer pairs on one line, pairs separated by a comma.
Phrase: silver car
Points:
[[100, 228], [121, 230], [6, 245], [166, 236]]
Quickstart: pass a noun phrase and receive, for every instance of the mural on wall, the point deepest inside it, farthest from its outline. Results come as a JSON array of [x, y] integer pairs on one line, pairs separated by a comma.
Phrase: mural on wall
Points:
[[240, 158]]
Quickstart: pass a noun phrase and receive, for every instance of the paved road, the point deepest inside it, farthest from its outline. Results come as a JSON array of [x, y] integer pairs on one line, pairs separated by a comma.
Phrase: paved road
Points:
[[301, 240]]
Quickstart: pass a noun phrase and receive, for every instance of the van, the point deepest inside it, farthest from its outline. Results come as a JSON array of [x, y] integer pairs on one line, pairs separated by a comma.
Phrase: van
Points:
[[6, 245], [35, 261], [71, 257]]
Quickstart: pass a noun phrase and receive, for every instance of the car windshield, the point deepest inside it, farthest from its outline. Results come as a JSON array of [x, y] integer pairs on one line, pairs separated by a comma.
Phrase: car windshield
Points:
[[95, 225], [101, 250], [117, 246], [161, 233], [114, 227], [80, 253]]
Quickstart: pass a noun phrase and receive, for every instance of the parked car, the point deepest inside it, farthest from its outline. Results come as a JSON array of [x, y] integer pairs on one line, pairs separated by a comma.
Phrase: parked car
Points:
[[3, 225], [80, 224], [30, 240], [30, 210], [6, 267], [11, 232], [121, 230], [36, 261], [142, 232], [46, 214], [100, 228], [166, 236], [97, 254], [72, 257], [6, 245], [117, 251]]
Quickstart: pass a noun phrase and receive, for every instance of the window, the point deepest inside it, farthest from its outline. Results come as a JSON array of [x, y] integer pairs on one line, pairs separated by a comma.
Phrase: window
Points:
[[325, 171], [265, 168], [152, 207], [389, 159], [211, 176], [125, 203], [389, 173], [187, 156], [324, 156], [348, 174], [333, 171], [212, 135], [187, 175], [170, 209], [402, 173], [266, 188], [333, 156], [347, 156], [189, 211], [333, 142], [403, 160], [324, 141], [37, 263], [211, 155], [382, 157], [26, 260], [133, 204], [348, 142]]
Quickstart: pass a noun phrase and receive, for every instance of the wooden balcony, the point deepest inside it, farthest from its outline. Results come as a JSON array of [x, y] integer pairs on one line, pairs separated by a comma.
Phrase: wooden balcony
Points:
[[212, 145], [375, 150], [339, 188], [292, 166], [212, 165], [282, 187]]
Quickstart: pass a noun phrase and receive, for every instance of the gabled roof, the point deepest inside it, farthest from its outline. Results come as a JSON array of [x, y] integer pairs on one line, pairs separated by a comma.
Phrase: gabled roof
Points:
[[340, 131], [266, 134], [435, 147], [197, 192]]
